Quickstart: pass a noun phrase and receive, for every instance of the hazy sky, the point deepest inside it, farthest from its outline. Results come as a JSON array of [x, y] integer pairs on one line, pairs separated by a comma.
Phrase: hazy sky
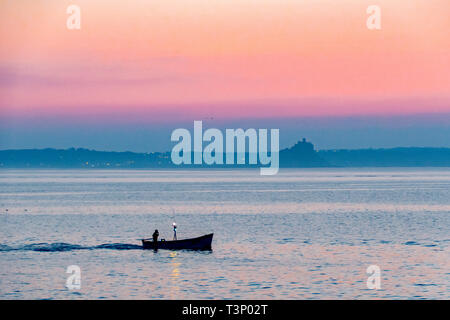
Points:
[[138, 69]]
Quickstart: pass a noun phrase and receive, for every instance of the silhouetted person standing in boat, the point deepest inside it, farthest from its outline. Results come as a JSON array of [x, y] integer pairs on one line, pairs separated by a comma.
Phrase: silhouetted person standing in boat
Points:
[[155, 237]]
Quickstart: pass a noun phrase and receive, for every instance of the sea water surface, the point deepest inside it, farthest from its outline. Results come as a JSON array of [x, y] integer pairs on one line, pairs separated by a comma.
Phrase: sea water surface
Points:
[[301, 234]]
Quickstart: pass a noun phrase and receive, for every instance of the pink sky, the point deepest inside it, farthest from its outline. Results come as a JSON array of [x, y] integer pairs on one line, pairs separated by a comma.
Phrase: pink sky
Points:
[[223, 58]]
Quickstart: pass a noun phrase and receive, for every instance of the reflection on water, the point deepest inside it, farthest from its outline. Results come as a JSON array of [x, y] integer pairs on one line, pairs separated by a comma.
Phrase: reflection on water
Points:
[[301, 234], [174, 276]]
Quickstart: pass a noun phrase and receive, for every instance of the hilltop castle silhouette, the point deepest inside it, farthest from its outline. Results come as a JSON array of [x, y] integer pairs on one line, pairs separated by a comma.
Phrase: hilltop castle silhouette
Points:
[[302, 154]]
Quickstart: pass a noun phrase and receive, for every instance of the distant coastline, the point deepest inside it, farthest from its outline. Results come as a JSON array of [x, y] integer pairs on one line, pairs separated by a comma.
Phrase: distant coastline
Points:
[[301, 155]]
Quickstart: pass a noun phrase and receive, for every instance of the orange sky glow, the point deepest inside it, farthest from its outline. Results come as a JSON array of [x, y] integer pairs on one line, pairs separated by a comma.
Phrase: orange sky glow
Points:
[[224, 58]]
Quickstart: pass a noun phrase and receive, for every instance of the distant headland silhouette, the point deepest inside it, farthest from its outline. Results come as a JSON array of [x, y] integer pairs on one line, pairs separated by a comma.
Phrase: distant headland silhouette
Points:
[[301, 155]]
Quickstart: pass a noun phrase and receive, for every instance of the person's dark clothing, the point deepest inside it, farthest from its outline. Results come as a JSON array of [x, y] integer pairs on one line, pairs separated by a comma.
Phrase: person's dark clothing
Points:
[[155, 236]]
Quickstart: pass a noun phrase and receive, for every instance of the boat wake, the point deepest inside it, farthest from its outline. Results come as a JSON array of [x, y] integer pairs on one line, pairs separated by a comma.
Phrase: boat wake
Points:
[[61, 246]]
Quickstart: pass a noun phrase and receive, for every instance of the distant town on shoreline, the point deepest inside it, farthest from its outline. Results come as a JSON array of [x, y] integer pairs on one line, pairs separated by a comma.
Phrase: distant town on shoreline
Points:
[[301, 155]]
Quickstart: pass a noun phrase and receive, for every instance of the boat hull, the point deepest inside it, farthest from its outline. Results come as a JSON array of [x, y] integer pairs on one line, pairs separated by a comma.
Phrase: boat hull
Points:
[[200, 243]]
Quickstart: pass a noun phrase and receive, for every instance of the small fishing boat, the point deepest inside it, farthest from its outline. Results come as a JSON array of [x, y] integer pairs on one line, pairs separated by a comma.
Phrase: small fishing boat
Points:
[[200, 243]]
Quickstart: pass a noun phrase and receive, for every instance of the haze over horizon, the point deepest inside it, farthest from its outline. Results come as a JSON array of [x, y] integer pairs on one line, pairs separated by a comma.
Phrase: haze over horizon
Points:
[[324, 133]]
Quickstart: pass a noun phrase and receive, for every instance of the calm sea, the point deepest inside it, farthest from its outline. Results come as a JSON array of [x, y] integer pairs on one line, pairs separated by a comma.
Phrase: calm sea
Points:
[[302, 234]]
